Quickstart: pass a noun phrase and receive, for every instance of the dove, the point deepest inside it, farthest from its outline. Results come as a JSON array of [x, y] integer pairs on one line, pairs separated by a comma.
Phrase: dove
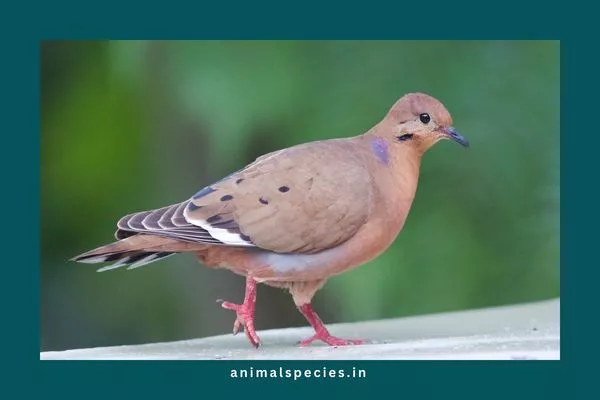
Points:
[[295, 217]]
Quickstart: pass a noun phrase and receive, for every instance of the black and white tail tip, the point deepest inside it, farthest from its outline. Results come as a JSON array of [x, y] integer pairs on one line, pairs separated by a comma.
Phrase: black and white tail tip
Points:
[[131, 260]]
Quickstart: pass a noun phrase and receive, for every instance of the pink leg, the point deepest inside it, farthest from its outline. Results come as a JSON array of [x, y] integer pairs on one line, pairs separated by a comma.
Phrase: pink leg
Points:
[[245, 313], [321, 332]]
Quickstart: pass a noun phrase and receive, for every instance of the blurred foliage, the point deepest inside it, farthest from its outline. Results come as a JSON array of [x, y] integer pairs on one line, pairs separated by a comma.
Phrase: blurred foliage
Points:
[[135, 125]]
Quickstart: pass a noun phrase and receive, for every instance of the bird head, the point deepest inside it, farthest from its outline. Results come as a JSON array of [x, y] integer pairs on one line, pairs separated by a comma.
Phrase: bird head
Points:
[[419, 121]]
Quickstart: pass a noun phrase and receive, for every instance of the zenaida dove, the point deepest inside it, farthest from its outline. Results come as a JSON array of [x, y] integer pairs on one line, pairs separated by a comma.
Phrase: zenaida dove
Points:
[[295, 217]]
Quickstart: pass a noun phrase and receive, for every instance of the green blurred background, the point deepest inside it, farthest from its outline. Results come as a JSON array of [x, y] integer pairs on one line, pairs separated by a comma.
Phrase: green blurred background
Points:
[[134, 125]]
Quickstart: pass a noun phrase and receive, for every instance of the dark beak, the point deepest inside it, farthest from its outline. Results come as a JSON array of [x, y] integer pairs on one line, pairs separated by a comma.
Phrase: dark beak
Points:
[[454, 135]]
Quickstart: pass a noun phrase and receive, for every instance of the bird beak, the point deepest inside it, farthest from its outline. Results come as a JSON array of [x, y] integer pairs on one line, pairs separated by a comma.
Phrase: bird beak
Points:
[[453, 134]]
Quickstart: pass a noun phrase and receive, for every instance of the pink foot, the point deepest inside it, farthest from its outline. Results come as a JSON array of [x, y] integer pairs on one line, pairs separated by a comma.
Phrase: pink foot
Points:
[[321, 332], [245, 313], [330, 340]]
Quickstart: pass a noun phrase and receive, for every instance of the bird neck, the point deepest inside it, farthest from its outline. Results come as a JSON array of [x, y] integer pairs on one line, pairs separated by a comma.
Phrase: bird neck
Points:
[[396, 181], [400, 157]]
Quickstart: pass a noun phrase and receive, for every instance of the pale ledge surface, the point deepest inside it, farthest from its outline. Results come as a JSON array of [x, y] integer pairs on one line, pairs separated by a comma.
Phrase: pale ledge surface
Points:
[[527, 331]]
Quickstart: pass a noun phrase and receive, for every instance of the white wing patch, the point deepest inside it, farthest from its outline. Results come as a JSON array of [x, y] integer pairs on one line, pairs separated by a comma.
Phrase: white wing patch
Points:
[[222, 235]]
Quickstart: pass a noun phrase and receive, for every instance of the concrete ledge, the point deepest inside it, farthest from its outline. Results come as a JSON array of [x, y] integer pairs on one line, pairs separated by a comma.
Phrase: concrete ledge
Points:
[[527, 331]]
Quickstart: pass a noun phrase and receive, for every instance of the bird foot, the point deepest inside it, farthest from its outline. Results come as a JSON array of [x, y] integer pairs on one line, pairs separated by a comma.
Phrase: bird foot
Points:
[[245, 313], [244, 318], [321, 332], [330, 340]]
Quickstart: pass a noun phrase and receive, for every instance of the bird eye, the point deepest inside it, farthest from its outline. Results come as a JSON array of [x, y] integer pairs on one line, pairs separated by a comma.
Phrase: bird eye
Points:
[[425, 118]]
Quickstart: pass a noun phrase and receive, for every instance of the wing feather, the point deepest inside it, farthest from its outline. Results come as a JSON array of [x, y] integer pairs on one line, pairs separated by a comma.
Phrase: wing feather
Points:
[[284, 202]]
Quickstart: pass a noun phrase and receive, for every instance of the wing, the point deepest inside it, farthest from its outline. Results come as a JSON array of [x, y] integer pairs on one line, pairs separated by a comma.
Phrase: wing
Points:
[[303, 199], [167, 221]]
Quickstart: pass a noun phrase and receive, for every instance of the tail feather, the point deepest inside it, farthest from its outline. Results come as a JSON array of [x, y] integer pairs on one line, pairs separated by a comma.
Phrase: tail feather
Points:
[[129, 259], [136, 260], [124, 253], [137, 250]]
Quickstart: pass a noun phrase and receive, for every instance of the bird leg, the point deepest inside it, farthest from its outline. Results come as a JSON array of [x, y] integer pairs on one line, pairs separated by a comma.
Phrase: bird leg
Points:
[[245, 312], [321, 332]]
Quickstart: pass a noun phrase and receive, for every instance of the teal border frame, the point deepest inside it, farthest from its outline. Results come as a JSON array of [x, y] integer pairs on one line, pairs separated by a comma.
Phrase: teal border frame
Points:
[[25, 26]]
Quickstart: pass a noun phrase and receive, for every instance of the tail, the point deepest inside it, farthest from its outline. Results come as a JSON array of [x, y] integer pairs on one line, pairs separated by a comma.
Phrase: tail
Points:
[[132, 252], [129, 259]]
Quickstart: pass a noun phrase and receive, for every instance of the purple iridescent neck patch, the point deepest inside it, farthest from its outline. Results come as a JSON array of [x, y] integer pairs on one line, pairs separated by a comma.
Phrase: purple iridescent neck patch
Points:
[[380, 149]]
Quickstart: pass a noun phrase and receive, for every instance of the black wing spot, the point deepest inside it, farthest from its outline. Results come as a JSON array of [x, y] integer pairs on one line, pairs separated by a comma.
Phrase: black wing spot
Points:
[[240, 180], [263, 200], [245, 237], [284, 189], [227, 197]]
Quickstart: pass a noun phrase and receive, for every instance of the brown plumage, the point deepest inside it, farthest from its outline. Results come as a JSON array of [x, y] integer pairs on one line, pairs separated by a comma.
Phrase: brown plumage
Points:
[[297, 216]]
